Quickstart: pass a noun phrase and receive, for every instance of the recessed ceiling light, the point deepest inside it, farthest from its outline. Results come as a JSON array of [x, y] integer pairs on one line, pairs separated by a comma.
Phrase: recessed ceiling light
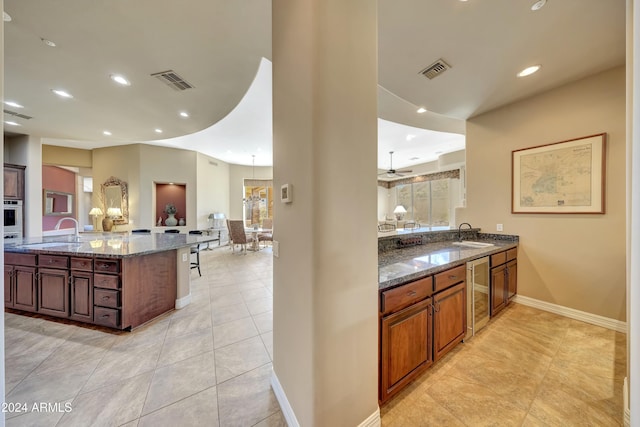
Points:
[[62, 93], [410, 137], [184, 114], [120, 79], [538, 5], [418, 158], [528, 71], [106, 132], [48, 42], [158, 130], [422, 110], [6, 17], [13, 104], [12, 123]]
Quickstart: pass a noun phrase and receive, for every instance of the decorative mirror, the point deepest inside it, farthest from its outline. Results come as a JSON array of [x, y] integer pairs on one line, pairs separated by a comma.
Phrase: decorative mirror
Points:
[[115, 200], [57, 203]]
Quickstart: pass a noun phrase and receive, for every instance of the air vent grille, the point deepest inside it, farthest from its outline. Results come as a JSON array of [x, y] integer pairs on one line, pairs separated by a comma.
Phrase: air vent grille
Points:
[[173, 80], [435, 69], [15, 114]]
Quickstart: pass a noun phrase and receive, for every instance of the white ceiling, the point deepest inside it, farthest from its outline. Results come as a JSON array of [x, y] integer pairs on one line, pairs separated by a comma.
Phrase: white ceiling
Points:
[[219, 46]]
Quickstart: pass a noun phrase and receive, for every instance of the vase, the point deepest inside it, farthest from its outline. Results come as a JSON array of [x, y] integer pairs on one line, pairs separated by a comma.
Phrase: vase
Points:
[[181, 222], [171, 220]]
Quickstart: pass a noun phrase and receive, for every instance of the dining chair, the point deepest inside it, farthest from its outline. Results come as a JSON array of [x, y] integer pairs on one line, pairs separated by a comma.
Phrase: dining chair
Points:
[[237, 234], [267, 234], [195, 250]]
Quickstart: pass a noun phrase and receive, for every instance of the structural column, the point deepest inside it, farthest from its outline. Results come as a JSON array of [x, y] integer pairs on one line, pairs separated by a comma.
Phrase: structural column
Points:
[[325, 147]]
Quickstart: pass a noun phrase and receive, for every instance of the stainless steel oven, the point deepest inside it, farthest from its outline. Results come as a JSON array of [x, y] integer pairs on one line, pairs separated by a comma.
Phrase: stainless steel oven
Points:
[[13, 219]]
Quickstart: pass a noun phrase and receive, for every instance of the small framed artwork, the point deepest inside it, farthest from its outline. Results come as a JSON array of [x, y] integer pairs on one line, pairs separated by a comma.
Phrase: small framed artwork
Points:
[[286, 196], [564, 177]]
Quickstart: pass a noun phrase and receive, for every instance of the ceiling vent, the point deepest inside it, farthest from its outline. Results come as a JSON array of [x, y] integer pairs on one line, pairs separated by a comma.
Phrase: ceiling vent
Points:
[[435, 69], [173, 80], [15, 114]]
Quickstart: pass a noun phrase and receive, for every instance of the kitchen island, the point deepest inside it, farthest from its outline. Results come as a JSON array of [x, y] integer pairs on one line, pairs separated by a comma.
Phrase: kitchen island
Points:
[[115, 280]]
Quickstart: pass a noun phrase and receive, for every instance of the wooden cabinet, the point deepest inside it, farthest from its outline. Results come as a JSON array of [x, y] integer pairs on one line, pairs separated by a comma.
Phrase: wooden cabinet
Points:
[[81, 289], [449, 319], [106, 293], [406, 347], [53, 285], [419, 323], [13, 181], [20, 288], [504, 279]]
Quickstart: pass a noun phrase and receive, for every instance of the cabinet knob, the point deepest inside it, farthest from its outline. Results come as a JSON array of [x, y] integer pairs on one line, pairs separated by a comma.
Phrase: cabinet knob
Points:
[[411, 293]]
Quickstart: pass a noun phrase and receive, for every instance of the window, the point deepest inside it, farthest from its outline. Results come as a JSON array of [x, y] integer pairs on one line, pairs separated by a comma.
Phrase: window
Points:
[[426, 202], [258, 201]]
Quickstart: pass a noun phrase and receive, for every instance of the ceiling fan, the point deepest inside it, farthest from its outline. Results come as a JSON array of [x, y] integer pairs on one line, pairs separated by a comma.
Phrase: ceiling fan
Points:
[[392, 172]]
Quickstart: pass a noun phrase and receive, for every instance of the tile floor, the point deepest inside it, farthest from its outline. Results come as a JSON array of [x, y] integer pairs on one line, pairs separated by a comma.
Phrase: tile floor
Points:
[[209, 365]]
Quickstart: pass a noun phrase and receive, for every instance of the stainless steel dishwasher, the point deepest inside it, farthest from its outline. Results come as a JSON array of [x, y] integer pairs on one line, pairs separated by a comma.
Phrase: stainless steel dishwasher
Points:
[[477, 295]]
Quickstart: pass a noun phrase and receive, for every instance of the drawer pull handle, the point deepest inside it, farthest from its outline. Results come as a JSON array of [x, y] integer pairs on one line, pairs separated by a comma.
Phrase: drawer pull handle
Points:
[[104, 316], [411, 293], [105, 298], [453, 276]]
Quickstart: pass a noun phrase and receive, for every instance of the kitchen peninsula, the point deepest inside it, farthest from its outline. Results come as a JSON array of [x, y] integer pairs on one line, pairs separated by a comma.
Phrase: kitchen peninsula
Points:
[[428, 296], [115, 280]]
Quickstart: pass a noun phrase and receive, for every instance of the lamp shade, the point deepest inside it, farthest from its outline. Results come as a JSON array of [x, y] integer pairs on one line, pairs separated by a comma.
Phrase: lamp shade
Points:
[[95, 212], [399, 209], [114, 212], [212, 216]]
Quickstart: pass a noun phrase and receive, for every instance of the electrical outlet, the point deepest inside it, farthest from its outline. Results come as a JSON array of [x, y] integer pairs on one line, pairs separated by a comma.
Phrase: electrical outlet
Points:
[[184, 257], [499, 227], [276, 248]]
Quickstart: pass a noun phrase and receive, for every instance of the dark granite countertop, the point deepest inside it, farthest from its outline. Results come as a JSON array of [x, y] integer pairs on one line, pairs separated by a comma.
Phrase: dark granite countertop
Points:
[[398, 266], [105, 245]]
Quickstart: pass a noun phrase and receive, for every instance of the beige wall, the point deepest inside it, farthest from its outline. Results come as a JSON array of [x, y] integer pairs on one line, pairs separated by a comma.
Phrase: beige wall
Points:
[[213, 188], [576, 261], [65, 156]]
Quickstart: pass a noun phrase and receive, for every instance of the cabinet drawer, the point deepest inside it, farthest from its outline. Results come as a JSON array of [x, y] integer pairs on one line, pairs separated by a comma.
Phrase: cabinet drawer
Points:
[[405, 295], [512, 254], [499, 258], [83, 264], [106, 317], [450, 277], [20, 259], [106, 281], [106, 297], [53, 261], [107, 265]]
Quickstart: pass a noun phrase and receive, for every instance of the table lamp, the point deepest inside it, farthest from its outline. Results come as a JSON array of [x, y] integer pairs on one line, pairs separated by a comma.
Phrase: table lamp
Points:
[[95, 213], [399, 211]]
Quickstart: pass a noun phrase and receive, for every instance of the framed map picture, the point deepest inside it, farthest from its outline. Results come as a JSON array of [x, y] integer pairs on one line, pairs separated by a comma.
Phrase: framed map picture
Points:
[[564, 177]]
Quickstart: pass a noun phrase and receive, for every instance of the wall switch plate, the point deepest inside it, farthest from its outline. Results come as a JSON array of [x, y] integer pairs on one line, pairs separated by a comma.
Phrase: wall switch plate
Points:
[[499, 227], [184, 257], [276, 248]]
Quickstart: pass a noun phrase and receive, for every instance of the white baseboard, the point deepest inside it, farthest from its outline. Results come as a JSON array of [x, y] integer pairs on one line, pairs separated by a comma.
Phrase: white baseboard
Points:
[[625, 400], [583, 316], [286, 408], [372, 420], [183, 302]]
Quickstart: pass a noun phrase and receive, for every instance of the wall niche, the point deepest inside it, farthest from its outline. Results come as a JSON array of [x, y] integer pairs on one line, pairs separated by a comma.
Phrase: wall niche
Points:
[[167, 195]]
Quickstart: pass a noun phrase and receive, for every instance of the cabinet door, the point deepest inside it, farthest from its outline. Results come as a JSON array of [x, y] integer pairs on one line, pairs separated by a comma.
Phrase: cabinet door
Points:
[[512, 279], [24, 288], [81, 292], [449, 319], [13, 183], [8, 286], [53, 290], [405, 347], [498, 289]]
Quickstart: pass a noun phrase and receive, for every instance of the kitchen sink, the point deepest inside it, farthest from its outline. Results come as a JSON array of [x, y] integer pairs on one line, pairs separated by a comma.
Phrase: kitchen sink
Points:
[[471, 244]]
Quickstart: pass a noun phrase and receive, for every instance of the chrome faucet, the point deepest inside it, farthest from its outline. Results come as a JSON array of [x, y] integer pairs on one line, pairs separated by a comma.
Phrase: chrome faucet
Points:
[[76, 225], [460, 228]]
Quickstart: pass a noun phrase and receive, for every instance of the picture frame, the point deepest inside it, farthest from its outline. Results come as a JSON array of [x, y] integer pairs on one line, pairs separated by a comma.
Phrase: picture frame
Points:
[[566, 177], [286, 195]]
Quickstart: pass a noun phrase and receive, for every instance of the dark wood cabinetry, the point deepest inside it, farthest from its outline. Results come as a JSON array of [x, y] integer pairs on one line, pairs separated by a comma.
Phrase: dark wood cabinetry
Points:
[[13, 181], [20, 281], [449, 319], [106, 293], [419, 323], [81, 289], [53, 285], [504, 279]]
